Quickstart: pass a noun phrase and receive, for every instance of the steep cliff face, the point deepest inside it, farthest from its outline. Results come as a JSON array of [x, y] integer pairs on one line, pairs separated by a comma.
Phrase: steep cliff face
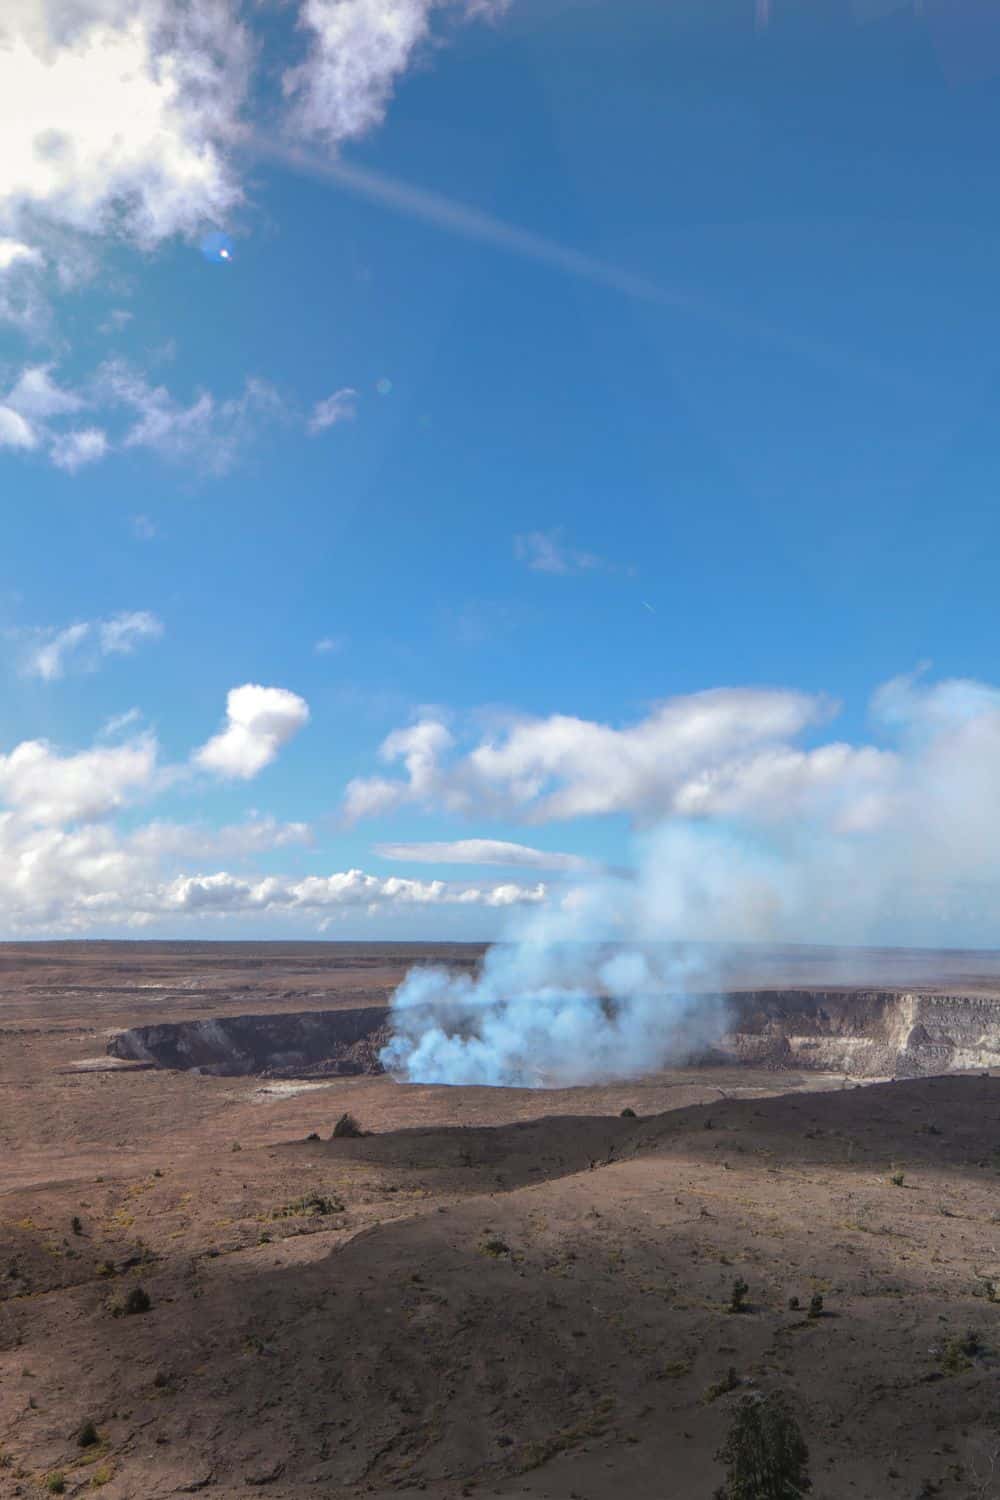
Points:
[[302, 1045], [868, 1033]]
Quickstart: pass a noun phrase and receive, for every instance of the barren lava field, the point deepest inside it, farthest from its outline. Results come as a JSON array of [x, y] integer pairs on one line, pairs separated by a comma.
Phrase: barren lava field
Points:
[[496, 1292]]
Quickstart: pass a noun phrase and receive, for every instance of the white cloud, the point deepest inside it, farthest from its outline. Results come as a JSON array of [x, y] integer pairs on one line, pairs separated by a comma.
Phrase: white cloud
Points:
[[329, 644], [548, 552], [564, 767], [48, 659], [43, 786], [329, 894], [120, 634], [487, 852], [38, 397], [13, 252], [73, 450], [209, 432], [116, 117], [259, 721], [358, 50], [419, 748], [49, 652], [15, 432], [342, 406], [144, 528], [67, 866], [257, 835]]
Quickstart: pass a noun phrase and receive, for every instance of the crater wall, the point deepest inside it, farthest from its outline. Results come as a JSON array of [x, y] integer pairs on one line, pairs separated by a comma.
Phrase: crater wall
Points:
[[300, 1044], [873, 1033], [864, 1033]]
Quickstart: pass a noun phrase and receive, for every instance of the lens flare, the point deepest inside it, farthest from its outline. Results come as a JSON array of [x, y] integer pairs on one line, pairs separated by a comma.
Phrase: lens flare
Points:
[[217, 247]]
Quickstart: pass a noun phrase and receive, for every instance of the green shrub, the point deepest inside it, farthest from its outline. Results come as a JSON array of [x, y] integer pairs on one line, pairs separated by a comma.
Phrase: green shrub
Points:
[[738, 1296], [897, 1179], [346, 1128], [87, 1436], [75, 1224], [816, 1305], [765, 1453], [137, 1301], [56, 1484], [628, 1114], [729, 1382], [309, 1203], [959, 1352]]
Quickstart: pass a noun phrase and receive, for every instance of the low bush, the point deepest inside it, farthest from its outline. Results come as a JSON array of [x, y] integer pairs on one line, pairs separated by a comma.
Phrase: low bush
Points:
[[765, 1453], [738, 1296], [346, 1128], [137, 1301], [309, 1203], [729, 1382]]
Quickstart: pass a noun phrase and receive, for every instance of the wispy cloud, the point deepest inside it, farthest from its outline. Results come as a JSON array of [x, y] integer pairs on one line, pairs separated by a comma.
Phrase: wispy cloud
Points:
[[48, 652], [144, 528], [488, 852], [342, 406], [549, 552]]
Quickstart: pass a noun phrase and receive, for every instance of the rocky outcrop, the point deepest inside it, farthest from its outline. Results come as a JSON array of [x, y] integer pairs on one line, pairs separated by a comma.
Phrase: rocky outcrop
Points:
[[867, 1033], [307, 1044]]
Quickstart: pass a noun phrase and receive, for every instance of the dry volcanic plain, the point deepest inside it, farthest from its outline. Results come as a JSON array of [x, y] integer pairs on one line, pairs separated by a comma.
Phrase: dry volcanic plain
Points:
[[492, 1292]]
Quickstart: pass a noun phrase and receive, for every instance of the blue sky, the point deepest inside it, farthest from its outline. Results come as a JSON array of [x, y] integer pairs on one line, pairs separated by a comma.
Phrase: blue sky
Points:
[[573, 360]]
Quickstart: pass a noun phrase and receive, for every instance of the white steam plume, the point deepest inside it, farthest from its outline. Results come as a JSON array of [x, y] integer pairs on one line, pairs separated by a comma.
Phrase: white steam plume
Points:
[[608, 987], [835, 845]]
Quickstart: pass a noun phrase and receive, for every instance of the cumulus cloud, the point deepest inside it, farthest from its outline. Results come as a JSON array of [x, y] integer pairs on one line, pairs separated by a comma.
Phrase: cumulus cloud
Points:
[[83, 876], [420, 748], [348, 889], [175, 81], [15, 431], [487, 852], [342, 406], [45, 786], [68, 864], [259, 720], [48, 652], [151, 161], [725, 743]]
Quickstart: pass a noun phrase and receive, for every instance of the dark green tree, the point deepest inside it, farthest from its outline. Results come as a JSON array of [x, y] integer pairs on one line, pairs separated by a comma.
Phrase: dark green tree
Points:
[[765, 1453]]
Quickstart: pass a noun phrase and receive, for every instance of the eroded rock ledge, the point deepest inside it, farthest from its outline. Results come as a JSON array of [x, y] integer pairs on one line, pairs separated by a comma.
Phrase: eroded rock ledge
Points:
[[866, 1033]]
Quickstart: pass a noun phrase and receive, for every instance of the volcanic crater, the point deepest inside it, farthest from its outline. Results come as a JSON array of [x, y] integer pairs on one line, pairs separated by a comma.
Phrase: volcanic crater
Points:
[[865, 1033]]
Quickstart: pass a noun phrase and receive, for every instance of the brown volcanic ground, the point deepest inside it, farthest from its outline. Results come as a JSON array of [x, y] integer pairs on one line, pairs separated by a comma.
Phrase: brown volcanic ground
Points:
[[511, 1292]]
